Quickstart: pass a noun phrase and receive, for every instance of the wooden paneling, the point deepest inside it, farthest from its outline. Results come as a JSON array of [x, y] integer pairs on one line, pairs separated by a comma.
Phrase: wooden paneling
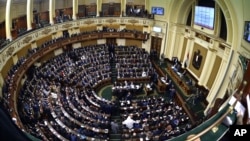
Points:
[[20, 22], [23, 52], [43, 40], [47, 57], [6, 68], [2, 30], [131, 42], [156, 45], [135, 27], [81, 11], [68, 11], [91, 10], [111, 9], [89, 42], [44, 16], [87, 28], [214, 71]]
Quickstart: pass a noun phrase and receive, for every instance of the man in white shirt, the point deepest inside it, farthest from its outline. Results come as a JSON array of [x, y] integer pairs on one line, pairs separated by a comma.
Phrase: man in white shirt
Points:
[[129, 122]]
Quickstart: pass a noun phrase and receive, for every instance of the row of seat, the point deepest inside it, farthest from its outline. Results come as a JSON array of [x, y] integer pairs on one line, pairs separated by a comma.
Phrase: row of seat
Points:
[[154, 117]]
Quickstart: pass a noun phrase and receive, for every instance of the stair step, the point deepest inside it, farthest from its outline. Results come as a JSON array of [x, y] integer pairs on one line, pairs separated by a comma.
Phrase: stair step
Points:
[[115, 136]]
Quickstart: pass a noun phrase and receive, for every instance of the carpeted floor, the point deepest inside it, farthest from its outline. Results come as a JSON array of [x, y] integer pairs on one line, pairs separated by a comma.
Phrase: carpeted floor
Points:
[[106, 92]]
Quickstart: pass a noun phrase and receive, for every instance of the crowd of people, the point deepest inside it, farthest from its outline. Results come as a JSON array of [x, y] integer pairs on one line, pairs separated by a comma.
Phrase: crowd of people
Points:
[[153, 118], [80, 68], [133, 62], [57, 100]]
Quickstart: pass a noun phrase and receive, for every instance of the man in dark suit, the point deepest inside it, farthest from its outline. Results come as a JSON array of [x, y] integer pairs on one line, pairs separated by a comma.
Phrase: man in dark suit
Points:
[[197, 59]]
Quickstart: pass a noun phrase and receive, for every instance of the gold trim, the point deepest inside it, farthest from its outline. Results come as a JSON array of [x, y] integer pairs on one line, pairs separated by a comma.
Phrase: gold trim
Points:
[[110, 21], [10, 51], [46, 31], [133, 21], [66, 25], [89, 22], [27, 39]]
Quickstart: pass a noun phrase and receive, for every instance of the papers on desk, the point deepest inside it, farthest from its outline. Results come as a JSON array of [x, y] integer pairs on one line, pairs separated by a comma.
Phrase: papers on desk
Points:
[[163, 80], [240, 108], [232, 100]]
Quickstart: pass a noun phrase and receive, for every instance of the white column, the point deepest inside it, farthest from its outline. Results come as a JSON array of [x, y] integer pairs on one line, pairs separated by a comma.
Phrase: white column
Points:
[[221, 81], [125, 3], [51, 11], [210, 58], [8, 20], [77, 8], [74, 10], [97, 8], [54, 9], [29, 11]]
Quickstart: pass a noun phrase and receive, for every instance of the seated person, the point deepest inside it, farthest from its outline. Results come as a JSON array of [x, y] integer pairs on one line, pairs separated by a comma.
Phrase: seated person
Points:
[[162, 59], [144, 74], [136, 125], [129, 122], [132, 86], [175, 60], [176, 67], [190, 82], [181, 74]]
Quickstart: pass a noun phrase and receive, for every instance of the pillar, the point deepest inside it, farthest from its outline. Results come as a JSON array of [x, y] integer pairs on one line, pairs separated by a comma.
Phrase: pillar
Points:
[[77, 5], [8, 20], [207, 68], [98, 7], [74, 10], [29, 14], [125, 3], [51, 11], [221, 82]]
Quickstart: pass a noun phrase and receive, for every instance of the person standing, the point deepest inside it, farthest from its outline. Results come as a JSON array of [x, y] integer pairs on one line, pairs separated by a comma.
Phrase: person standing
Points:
[[114, 127], [172, 92]]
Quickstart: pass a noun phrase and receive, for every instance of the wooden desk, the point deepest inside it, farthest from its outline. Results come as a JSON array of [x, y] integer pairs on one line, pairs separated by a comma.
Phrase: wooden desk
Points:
[[178, 80]]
